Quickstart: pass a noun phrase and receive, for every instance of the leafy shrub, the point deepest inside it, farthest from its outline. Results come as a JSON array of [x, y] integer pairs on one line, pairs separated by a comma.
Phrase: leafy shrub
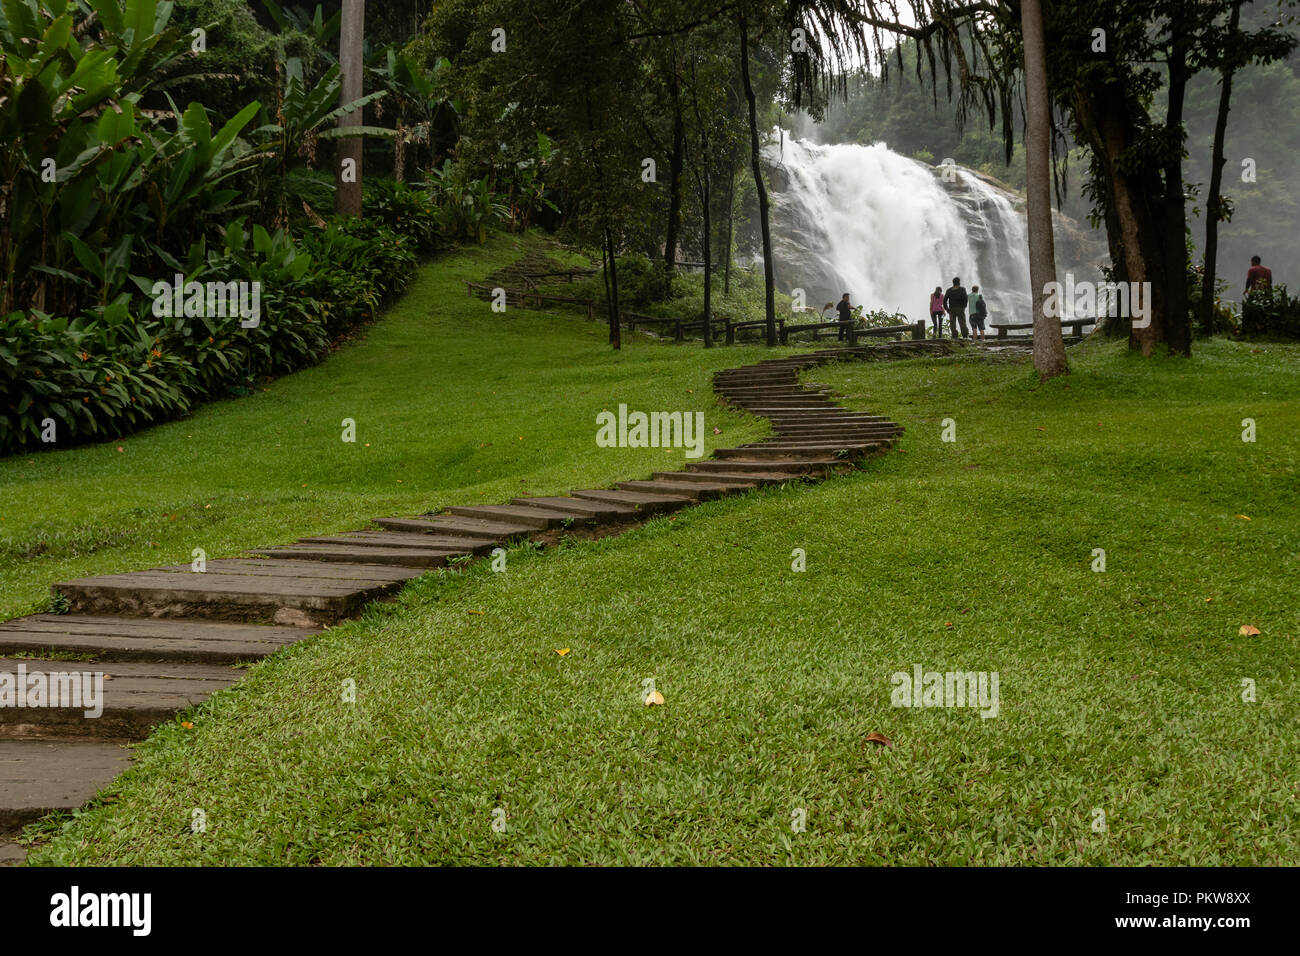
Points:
[[1270, 311], [102, 375], [408, 210]]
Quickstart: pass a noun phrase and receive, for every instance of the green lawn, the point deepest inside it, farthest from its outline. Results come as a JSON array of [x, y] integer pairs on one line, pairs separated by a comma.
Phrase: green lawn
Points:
[[1120, 691], [453, 404]]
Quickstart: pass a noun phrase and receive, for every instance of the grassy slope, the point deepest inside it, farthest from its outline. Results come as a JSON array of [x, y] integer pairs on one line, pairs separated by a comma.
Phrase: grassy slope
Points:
[[454, 404], [1119, 691]]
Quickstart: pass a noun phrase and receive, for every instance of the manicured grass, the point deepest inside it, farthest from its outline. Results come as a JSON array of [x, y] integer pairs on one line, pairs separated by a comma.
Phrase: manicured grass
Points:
[[453, 404], [1119, 691]]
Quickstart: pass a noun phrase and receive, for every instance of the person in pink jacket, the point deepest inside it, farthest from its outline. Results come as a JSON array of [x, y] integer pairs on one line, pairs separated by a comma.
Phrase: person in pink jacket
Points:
[[936, 311]]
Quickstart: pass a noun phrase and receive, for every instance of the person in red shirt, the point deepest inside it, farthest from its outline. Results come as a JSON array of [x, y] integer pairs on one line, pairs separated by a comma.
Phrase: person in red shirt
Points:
[[1258, 276]]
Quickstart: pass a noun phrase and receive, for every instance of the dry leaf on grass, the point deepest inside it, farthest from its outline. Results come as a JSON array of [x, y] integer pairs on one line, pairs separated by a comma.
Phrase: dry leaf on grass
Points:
[[880, 739], [1248, 630], [654, 699], [561, 651]]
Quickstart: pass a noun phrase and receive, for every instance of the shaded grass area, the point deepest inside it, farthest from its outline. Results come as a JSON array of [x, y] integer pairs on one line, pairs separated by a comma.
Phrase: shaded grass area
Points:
[[453, 404], [1120, 691]]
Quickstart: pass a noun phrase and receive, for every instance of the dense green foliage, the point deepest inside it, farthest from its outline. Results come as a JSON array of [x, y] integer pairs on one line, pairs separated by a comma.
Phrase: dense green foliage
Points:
[[105, 197]]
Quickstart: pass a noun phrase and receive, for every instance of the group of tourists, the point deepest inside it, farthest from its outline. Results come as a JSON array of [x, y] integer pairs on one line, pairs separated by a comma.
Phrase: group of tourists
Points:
[[954, 303]]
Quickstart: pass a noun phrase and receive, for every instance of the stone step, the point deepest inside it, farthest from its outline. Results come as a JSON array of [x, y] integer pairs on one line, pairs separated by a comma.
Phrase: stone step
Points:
[[262, 597], [348, 554], [359, 571], [733, 479], [395, 539], [818, 451], [40, 776], [791, 389], [135, 697], [604, 511], [791, 469], [756, 378], [814, 420], [697, 490], [791, 410], [112, 638], [646, 504], [535, 517], [819, 442], [841, 431], [758, 478], [493, 531], [798, 400]]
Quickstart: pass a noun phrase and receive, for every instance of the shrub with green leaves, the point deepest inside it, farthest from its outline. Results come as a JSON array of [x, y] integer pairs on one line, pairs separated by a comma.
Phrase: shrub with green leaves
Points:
[[1271, 311]]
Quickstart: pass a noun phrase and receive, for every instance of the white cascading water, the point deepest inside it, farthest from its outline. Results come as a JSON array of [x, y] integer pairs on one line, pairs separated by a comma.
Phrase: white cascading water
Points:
[[888, 229]]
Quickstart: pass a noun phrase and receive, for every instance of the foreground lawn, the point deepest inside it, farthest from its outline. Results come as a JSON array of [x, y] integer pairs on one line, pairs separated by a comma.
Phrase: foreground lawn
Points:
[[1120, 691], [453, 404]]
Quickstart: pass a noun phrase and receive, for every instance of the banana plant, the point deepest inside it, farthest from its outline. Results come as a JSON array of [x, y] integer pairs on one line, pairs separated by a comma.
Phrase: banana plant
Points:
[[306, 114]]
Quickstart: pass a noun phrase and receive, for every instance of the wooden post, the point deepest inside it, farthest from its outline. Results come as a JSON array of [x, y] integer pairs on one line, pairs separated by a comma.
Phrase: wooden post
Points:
[[918, 331]]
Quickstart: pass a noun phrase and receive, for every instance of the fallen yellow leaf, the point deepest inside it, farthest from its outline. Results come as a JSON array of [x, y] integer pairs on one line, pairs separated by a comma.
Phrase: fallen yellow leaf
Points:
[[1248, 630], [187, 725], [475, 612], [562, 651], [654, 699], [1243, 517]]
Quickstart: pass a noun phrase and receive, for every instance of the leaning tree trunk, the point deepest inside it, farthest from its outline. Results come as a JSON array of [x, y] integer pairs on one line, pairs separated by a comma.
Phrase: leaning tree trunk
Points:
[[1134, 221], [755, 154], [1049, 347], [1213, 202]]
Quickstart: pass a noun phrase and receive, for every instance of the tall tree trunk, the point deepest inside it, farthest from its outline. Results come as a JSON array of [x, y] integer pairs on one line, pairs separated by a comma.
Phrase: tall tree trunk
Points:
[[708, 252], [1214, 199], [352, 28], [731, 218], [675, 163], [615, 338], [756, 161], [1178, 330], [1049, 347]]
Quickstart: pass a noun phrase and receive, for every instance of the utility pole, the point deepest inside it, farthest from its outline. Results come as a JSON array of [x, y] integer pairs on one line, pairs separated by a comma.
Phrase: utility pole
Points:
[[347, 177]]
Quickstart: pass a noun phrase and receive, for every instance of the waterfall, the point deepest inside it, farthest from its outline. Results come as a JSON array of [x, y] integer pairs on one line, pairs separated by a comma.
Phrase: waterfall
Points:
[[888, 229]]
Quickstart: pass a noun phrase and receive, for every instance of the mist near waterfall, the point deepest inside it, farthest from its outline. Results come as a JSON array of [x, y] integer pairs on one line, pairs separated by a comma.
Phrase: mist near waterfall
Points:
[[888, 229]]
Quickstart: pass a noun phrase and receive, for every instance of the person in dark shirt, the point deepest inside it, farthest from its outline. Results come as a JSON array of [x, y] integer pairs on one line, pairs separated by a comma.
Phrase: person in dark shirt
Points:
[[846, 316], [1258, 276], [954, 300]]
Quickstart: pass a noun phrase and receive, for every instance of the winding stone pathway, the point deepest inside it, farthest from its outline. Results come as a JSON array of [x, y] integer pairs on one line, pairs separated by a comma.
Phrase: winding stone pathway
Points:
[[167, 638]]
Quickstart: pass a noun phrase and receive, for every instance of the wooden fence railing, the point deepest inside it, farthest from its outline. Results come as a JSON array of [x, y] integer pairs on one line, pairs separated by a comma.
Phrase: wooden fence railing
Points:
[[722, 328]]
